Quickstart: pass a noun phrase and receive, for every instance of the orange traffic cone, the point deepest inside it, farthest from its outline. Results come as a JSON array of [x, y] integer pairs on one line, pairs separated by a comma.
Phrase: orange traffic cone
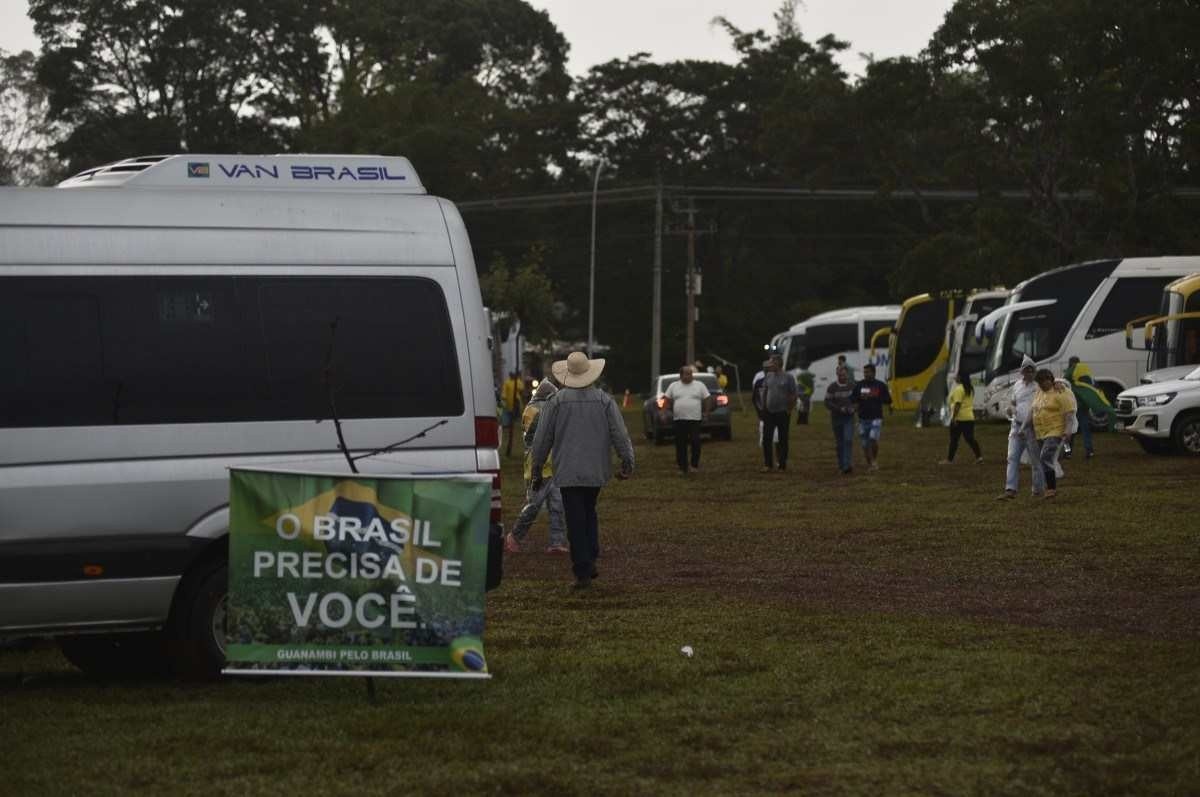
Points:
[[627, 402]]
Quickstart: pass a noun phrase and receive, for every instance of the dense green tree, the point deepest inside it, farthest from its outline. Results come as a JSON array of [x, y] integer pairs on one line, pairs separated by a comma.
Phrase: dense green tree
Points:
[[134, 77], [26, 134]]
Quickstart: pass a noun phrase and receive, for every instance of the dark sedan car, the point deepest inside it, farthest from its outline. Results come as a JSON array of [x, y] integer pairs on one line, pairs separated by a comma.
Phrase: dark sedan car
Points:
[[658, 418]]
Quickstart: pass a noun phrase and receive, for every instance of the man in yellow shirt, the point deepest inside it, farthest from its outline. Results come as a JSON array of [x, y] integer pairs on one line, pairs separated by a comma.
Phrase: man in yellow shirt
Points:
[[512, 398], [1051, 407]]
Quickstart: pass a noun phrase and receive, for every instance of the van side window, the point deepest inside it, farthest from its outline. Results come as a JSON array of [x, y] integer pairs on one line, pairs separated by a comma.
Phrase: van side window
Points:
[[393, 350], [1130, 298], [51, 359], [104, 351]]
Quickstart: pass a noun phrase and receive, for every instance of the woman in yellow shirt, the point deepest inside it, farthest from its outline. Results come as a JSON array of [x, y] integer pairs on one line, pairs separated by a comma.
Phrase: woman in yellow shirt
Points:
[[962, 418], [1050, 410]]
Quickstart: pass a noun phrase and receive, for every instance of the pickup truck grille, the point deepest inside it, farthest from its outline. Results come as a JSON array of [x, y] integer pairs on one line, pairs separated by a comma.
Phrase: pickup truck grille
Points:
[[1125, 406]]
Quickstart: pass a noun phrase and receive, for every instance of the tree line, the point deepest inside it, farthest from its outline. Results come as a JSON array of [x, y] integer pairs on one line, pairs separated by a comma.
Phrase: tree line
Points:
[[1027, 134]]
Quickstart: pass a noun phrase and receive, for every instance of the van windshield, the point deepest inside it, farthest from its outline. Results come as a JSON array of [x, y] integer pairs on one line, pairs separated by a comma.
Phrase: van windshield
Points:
[[1041, 331]]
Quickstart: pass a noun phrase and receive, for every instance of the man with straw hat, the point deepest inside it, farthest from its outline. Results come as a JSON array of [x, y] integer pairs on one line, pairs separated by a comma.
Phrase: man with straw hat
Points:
[[579, 425]]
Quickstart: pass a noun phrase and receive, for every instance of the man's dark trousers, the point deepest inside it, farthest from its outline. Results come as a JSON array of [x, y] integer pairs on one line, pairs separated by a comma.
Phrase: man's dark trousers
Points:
[[583, 530], [771, 422], [687, 432]]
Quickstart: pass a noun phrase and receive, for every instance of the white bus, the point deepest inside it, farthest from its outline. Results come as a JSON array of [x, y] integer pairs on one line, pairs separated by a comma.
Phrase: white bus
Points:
[[968, 353], [818, 341], [1080, 310], [164, 318]]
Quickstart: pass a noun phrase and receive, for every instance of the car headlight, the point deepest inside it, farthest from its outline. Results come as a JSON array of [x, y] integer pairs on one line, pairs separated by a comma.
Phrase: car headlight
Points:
[[1155, 401]]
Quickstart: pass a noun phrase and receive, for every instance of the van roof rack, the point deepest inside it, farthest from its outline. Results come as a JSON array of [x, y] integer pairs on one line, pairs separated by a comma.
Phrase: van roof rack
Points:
[[369, 174]]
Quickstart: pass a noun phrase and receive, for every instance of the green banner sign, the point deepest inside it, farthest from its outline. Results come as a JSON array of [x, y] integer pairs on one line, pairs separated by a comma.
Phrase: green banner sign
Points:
[[356, 575]]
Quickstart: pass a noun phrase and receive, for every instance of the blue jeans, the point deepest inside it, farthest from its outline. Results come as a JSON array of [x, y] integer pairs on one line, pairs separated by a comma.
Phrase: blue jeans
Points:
[[1085, 426], [552, 498], [843, 439], [1018, 443]]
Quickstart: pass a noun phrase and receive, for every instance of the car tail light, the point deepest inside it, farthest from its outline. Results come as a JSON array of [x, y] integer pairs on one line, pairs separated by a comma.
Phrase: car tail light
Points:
[[722, 400], [661, 402], [487, 432]]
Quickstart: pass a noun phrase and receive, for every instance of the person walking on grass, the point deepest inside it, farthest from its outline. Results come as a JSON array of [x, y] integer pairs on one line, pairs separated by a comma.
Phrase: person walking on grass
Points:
[[1050, 409], [841, 363], [778, 394], [690, 403], [807, 386], [962, 418], [579, 425], [1020, 433], [512, 394], [870, 395], [839, 400], [549, 495]]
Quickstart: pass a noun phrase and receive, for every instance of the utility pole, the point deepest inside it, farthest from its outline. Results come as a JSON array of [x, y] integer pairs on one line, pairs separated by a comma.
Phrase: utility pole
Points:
[[656, 321], [691, 282]]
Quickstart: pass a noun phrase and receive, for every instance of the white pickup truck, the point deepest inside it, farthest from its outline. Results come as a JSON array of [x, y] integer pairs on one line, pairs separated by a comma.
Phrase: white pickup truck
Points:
[[1163, 416]]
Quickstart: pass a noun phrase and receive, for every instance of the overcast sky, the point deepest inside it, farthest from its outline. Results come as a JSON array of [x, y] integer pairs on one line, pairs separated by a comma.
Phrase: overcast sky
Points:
[[599, 30]]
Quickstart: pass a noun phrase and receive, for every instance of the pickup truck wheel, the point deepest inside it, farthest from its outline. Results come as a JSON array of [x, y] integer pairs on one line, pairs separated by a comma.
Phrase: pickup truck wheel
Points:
[[1186, 434]]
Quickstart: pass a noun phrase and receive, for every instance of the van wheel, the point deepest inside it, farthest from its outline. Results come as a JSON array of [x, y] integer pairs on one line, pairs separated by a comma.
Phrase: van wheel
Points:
[[138, 655], [1186, 434], [199, 649]]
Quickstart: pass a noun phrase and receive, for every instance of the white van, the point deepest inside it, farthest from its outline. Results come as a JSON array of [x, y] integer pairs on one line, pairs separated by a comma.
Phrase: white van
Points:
[[1080, 310], [820, 339], [164, 318]]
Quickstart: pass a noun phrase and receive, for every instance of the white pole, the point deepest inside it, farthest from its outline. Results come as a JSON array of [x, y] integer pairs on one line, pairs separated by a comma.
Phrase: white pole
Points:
[[592, 272]]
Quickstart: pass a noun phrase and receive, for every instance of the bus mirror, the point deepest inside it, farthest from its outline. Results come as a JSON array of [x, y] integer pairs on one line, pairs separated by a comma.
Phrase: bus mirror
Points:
[[1137, 322], [878, 333]]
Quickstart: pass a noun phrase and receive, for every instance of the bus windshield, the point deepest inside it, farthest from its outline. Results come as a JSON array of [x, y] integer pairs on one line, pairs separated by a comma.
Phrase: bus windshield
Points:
[[1041, 331], [796, 352], [920, 336]]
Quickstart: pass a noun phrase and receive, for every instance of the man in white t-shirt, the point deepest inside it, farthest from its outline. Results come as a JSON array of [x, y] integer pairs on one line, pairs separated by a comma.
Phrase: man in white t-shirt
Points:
[[689, 402]]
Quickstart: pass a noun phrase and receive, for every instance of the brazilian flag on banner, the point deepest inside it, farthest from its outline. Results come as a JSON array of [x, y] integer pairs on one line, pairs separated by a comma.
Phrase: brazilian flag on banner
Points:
[[357, 575]]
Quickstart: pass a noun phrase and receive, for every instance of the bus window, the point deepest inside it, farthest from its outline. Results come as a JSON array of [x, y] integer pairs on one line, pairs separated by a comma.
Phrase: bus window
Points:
[[796, 352], [920, 338], [1130, 297], [828, 340], [869, 330]]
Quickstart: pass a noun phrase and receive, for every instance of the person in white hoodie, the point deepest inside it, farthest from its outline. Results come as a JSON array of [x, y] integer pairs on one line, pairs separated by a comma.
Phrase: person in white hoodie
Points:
[[1020, 433]]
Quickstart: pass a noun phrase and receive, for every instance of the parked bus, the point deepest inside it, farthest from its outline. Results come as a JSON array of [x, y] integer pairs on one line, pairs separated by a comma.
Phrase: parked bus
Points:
[[818, 341], [1081, 310], [968, 352], [917, 345], [1172, 337]]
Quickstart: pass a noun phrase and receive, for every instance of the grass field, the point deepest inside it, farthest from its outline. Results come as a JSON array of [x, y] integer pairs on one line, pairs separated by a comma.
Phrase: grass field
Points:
[[897, 632]]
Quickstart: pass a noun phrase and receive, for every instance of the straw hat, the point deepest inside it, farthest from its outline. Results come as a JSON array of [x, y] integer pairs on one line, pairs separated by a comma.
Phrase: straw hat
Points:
[[577, 370]]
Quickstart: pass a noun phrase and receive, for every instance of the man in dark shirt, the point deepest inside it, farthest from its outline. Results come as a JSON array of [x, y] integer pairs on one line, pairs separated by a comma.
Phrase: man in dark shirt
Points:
[[870, 395]]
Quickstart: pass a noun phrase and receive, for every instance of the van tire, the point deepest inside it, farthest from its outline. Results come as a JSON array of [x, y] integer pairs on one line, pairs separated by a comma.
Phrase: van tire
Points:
[[132, 655], [1185, 434], [199, 645]]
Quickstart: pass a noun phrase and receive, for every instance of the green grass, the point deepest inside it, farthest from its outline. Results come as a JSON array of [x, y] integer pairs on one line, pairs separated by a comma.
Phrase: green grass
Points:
[[897, 632]]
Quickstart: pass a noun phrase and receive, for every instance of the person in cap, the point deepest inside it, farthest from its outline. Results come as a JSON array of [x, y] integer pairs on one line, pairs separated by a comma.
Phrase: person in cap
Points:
[[579, 425], [1020, 433], [549, 494]]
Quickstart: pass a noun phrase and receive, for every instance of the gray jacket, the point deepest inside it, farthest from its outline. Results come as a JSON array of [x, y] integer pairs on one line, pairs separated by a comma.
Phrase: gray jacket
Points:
[[580, 425]]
